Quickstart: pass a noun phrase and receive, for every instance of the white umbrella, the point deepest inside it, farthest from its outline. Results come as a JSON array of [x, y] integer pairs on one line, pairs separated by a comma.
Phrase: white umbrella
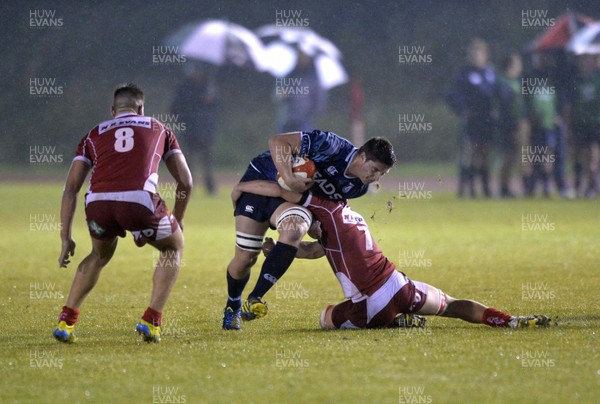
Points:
[[221, 43], [586, 40], [311, 42], [331, 72], [282, 56]]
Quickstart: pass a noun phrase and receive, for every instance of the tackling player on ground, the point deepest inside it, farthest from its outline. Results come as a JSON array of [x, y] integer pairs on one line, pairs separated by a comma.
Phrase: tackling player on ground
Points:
[[377, 293], [124, 154], [343, 172]]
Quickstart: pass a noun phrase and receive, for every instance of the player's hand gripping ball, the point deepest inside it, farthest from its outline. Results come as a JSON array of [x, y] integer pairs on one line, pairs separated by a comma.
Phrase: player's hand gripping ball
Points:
[[301, 167]]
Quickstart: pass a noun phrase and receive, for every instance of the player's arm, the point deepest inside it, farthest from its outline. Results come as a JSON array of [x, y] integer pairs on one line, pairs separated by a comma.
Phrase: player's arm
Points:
[[310, 250], [264, 188], [75, 179], [306, 250], [282, 148], [180, 171]]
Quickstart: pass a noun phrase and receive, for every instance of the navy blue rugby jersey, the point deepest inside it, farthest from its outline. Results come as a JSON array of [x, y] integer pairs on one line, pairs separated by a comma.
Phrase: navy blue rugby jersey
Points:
[[332, 155]]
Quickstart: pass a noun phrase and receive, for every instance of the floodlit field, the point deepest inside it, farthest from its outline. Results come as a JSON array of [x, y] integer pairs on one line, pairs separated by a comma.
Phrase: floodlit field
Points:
[[524, 256]]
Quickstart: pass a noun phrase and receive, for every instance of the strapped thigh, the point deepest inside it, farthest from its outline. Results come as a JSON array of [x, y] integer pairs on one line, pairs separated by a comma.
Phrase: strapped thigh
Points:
[[295, 211], [249, 242]]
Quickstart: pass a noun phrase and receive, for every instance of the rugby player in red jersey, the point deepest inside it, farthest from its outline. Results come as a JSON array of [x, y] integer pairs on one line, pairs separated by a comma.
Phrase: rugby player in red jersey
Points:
[[377, 293], [124, 154]]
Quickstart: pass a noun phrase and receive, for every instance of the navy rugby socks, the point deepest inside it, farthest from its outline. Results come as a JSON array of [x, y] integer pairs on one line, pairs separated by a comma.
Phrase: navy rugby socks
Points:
[[235, 287], [275, 265]]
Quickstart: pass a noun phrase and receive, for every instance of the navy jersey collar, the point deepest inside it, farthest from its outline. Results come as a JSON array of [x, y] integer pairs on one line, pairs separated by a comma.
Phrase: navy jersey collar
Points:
[[348, 161]]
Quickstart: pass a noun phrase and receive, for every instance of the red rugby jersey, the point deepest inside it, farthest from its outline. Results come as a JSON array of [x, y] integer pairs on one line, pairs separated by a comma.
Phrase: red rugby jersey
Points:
[[125, 153], [356, 260]]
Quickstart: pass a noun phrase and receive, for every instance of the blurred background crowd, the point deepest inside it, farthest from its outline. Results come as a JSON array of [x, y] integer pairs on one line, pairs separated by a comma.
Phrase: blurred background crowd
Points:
[[508, 92], [536, 119]]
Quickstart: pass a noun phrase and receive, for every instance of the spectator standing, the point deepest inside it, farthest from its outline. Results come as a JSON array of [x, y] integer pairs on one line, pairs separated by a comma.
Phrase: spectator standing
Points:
[[196, 105], [472, 97]]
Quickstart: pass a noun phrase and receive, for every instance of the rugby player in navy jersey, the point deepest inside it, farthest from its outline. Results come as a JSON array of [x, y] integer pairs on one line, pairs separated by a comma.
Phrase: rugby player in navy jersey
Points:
[[343, 172]]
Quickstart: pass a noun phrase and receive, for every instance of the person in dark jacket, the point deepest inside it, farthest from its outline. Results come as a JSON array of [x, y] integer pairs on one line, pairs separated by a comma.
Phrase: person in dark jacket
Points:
[[472, 97], [513, 126], [195, 105], [585, 125]]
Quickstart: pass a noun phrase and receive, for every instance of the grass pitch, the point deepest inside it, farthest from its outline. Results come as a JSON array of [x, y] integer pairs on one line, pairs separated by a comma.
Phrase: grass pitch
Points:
[[524, 256]]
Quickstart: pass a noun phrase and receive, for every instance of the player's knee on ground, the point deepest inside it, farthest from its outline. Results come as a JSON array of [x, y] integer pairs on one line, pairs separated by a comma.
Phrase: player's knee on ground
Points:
[[436, 301], [292, 224], [453, 307], [326, 319]]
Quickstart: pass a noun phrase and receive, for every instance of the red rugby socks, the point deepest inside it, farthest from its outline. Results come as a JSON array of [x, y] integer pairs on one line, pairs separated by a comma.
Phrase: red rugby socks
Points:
[[495, 318], [68, 315], [153, 317]]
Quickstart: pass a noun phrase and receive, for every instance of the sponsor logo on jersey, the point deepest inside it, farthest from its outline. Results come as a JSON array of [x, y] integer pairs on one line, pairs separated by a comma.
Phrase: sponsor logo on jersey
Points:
[[351, 217], [326, 187], [332, 170], [143, 121], [347, 188]]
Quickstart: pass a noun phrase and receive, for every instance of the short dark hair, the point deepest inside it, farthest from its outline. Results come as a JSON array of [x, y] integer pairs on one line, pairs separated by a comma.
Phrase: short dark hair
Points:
[[128, 95], [379, 149]]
